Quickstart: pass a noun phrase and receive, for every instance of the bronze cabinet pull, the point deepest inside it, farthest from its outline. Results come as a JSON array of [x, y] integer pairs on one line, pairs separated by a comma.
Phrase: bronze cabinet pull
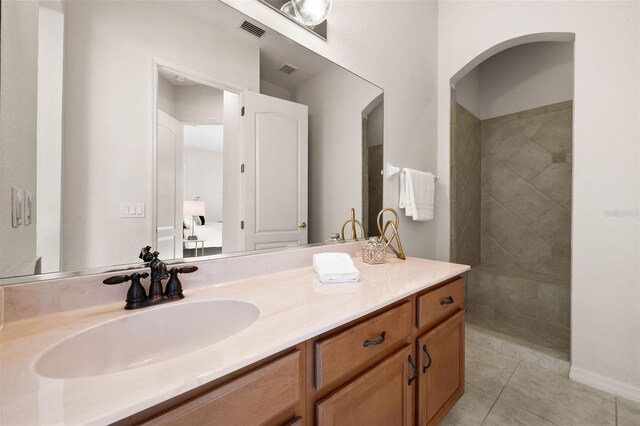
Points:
[[429, 360], [302, 225], [383, 335], [415, 370], [447, 301]]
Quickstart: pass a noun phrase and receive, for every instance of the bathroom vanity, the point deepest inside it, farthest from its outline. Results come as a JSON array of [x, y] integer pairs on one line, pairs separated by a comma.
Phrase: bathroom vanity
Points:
[[386, 350], [401, 365]]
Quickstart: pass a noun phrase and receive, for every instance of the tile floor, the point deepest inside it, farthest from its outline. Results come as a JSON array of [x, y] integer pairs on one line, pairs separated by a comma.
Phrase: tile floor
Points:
[[547, 338], [501, 390]]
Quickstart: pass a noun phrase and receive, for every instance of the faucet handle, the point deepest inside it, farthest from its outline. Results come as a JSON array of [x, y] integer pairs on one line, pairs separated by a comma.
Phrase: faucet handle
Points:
[[145, 254], [119, 279], [136, 296], [173, 290]]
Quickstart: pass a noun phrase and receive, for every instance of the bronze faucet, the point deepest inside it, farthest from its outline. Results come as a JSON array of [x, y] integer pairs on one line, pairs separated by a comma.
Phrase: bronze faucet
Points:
[[137, 296]]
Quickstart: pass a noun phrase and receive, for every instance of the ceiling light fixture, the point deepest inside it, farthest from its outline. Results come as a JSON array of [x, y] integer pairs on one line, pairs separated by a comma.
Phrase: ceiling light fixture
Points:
[[308, 12]]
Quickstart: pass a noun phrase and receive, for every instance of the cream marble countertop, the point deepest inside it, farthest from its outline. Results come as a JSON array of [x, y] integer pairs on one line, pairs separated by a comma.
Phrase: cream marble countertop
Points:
[[294, 306]]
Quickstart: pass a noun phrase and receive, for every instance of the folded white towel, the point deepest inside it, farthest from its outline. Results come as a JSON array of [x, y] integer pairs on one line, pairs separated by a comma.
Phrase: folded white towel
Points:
[[335, 268], [417, 190]]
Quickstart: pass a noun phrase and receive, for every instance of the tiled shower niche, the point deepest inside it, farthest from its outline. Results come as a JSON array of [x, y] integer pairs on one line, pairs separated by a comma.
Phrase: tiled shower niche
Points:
[[511, 221]]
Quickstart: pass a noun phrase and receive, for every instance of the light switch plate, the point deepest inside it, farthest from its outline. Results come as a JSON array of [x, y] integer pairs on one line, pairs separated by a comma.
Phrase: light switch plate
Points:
[[16, 207], [28, 208], [136, 210]]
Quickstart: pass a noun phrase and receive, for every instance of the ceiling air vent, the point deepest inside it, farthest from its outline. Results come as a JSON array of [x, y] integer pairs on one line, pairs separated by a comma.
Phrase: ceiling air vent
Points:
[[253, 29], [287, 68]]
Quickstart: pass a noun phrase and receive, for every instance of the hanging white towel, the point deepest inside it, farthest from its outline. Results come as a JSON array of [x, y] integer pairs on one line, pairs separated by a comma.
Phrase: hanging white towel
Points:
[[417, 190], [335, 268]]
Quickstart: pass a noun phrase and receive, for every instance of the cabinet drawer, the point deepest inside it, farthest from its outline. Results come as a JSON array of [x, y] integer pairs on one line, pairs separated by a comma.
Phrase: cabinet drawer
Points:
[[252, 399], [348, 352], [438, 304]]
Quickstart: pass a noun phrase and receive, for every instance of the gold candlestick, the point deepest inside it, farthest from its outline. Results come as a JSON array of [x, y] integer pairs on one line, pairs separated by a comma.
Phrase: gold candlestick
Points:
[[353, 221]]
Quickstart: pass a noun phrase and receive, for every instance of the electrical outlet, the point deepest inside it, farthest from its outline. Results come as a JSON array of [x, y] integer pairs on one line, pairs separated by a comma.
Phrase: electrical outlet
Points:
[[28, 209], [16, 207], [136, 210]]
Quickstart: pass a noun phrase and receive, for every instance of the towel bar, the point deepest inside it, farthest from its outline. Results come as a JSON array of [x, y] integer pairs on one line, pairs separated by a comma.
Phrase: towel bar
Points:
[[391, 170]]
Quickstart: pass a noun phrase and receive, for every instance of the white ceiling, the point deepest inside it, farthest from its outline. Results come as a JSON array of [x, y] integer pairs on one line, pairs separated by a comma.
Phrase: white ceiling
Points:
[[275, 49], [203, 136]]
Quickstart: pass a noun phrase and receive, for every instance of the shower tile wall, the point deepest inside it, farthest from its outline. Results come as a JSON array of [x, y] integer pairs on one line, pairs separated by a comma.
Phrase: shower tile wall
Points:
[[375, 156], [465, 187], [525, 218]]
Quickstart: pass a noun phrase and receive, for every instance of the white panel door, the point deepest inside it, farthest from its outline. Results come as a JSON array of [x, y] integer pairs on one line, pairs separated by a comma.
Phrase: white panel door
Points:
[[276, 172], [169, 187]]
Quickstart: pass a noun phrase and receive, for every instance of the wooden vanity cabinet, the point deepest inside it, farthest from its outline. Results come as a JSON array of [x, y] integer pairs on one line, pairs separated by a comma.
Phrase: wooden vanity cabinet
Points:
[[402, 365]]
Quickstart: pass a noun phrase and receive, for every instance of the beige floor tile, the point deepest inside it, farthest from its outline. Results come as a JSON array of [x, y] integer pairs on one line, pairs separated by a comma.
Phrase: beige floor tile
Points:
[[487, 369], [543, 357], [558, 399], [627, 416], [635, 406], [480, 337], [471, 409], [488, 322], [503, 414], [520, 330]]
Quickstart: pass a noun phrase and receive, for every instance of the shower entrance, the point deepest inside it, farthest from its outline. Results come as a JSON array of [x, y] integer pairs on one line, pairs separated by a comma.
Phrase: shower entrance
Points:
[[511, 170]]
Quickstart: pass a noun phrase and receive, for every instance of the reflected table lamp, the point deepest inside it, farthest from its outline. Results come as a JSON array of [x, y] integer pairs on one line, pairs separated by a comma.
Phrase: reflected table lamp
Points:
[[193, 209]]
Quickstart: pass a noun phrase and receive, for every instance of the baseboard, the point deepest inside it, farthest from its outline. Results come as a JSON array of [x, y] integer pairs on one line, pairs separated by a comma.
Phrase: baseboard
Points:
[[604, 383]]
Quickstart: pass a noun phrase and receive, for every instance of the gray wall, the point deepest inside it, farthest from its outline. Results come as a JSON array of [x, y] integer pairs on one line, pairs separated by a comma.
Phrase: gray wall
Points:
[[526, 192], [465, 187], [524, 187]]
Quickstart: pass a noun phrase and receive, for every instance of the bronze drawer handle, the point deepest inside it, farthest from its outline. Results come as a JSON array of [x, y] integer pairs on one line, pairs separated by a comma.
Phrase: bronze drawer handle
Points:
[[415, 370], [375, 342], [447, 301], [429, 360]]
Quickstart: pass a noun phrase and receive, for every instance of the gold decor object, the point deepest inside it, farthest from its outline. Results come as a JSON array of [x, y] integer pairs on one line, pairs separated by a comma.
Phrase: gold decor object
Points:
[[374, 252], [353, 221], [393, 224], [334, 238]]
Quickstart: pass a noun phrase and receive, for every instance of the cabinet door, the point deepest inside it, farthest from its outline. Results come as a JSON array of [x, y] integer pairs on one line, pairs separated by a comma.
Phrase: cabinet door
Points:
[[440, 369], [383, 395]]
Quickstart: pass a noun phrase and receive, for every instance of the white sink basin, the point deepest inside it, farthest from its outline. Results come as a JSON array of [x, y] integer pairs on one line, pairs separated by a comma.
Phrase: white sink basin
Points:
[[145, 337]]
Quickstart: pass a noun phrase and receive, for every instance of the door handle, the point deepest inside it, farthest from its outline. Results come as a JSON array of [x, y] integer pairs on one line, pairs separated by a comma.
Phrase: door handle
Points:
[[302, 225], [414, 370], [379, 341], [447, 301], [429, 360]]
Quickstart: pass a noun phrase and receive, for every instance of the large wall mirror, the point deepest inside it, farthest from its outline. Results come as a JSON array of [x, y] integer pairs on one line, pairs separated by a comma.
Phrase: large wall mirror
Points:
[[181, 125]]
